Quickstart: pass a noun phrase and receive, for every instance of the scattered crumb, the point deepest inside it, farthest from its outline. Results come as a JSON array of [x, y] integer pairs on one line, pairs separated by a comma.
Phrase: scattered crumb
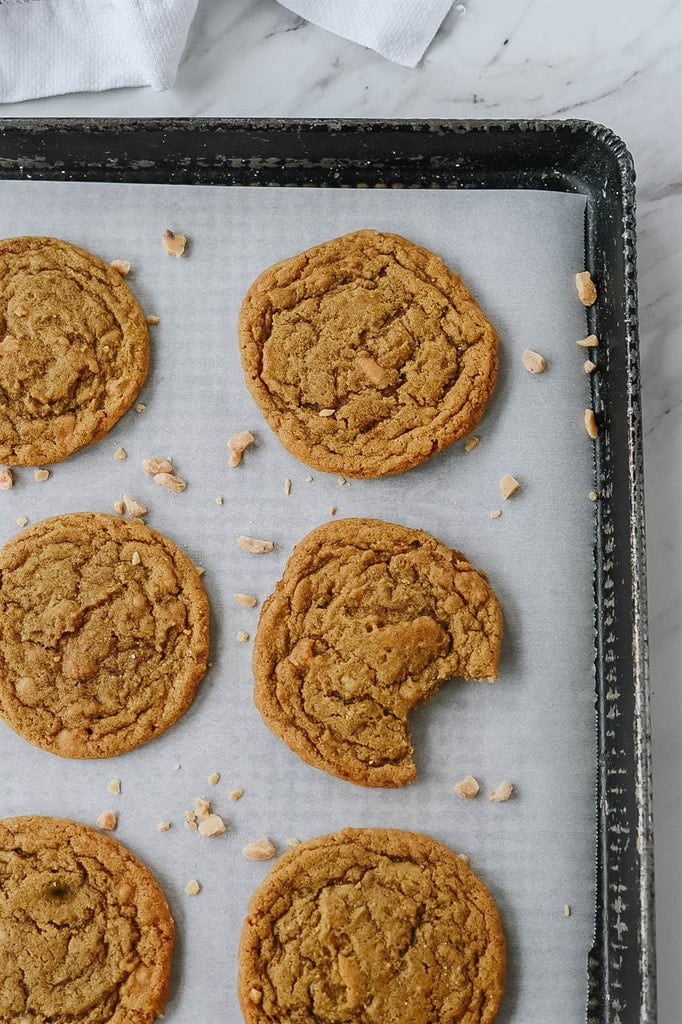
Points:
[[246, 599], [170, 482], [501, 793], [262, 849], [287, 486], [567, 910], [591, 341], [41, 474], [326, 412], [593, 495], [133, 507], [6, 479], [235, 794], [220, 500], [341, 480], [173, 243], [202, 807], [589, 366], [308, 479], [242, 636], [467, 787], [214, 778], [119, 507], [591, 423], [153, 320], [533, 361], [22, 520], [587, 293], [177, 767], [238, 444], [200, 570], [463, 857], [292, 842], [152, 466], [123, 267], [496, 513], [192, 888], [140, 407], [255, 546], [471, 443], [120, 454], [114, 786], [212, 826], [255, 995], [509, 485], [332, 510], [191, 824], [163, 826], [107, 820], [190, 815]]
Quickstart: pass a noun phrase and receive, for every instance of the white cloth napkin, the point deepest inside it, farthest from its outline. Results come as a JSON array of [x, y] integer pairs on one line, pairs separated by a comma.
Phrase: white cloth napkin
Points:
[[399, 30], [50, 47]]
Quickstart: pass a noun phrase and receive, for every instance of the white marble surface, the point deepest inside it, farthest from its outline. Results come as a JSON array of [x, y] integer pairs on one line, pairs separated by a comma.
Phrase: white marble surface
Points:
[[616, 62]]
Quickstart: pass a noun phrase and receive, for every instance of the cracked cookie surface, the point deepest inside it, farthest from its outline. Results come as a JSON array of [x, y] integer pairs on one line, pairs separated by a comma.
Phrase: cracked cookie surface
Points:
[[86, 936], [368, 620], [74, 349], [374, 926], [99, 650], [366, 354]]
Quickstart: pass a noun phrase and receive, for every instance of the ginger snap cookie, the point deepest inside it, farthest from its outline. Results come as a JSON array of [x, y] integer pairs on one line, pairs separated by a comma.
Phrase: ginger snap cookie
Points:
[[103, 634], [374, 926], [86, 936], [368, 620], [366, 354], [74, 349]]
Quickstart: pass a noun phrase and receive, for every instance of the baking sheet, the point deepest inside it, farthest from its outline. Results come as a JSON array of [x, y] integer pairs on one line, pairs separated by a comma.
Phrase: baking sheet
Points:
[[518, 252]]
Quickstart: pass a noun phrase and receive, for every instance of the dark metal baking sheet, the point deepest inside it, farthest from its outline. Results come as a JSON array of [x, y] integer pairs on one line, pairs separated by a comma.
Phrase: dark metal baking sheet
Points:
[[559, 156]]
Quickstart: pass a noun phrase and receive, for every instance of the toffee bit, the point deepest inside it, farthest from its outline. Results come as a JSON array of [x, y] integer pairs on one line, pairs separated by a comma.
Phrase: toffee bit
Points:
[[119, 507], [589, 366], [471, 443], [6, 479], [501, 793], [567, 910], [341, 480], [122, 266], [326, 412], [135, 558], [107, 820], [170, 482], [220, 500], [246, 599], [212, 826], [200, 570], [261, 849], [533, 361], [593, 495], [587, 293], [41, 475], [133, 507], [256, 996], [467, 788], [496, 513], [114, 786], [243, 636], [163, 826], [238, 444], [591, 341], [509, 485], [140, 407], [192, 888], [173, 243], [120, 454], [152, 466], [287, 487], [591, 424], [22, 521], [191, 825], [255, 546], [214, 778], [202, 807], [308, 479], [235, 794]]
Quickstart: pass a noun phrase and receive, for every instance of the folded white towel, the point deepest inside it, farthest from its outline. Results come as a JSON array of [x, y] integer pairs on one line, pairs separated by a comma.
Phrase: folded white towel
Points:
[[49, 47], [399, 30]]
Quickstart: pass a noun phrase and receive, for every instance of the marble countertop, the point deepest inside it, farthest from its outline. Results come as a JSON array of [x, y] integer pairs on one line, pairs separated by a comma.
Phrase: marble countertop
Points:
[[616, 62]]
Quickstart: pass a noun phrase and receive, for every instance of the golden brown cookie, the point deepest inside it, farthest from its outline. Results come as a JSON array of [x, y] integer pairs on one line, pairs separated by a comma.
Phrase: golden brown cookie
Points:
[[74, 349], [103, 634], [367, 621], [86, 936], [373, 926], [366, 354]]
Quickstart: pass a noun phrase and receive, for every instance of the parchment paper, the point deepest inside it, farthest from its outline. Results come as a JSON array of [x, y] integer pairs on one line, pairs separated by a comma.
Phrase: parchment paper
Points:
[[518, 252]]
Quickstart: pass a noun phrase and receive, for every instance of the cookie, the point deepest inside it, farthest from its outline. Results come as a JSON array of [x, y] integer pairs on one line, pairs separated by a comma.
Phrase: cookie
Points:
[[374, 926], [368, 620], [366, 354], [74, 349], [86, 936], [103, 634]]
